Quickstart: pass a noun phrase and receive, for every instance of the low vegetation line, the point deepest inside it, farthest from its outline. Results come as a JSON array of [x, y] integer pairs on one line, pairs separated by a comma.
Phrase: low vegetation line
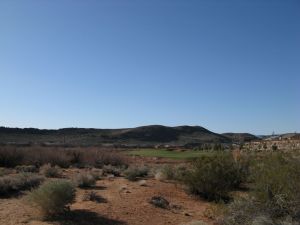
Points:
[[164, 153]]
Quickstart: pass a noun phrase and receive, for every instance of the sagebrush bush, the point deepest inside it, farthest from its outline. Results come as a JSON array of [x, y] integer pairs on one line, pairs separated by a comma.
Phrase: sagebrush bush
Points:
[[84, 180], [50, 171], [53, 198], [133, 173], [276, 184], [11, 184], [214, 176]]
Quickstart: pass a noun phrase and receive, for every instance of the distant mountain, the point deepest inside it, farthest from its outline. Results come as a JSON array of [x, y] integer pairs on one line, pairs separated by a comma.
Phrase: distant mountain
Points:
[[145, 135], [241, 137]]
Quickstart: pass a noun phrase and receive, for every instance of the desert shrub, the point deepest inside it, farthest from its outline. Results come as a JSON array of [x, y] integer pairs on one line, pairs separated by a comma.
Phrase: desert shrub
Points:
[[109, 169], [241, 211], [84, 180], [26, 169], [214, 176], [4, 171], [10, 157], [76, 157], [93, 196], [169, 172], [97, 173], [133, 173], [42, 156], [11, 184], [276, 184], [109, 158], [50, 171], [53, 198]]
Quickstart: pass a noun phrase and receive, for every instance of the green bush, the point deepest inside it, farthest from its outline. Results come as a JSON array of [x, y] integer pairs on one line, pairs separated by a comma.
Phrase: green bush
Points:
[[133, 173], [11, 184], [214, 176], [50, 171], [53, 198], [84, 180], [276, 184]]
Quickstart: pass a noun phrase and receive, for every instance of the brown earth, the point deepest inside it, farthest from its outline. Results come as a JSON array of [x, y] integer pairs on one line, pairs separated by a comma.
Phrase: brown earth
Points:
[[123, 202]]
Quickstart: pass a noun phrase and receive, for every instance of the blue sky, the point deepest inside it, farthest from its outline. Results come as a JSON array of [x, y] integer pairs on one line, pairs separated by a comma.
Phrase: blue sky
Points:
[[225, 65]]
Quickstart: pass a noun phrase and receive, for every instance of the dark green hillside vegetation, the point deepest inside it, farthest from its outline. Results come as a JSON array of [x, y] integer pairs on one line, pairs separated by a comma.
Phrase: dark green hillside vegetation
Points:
[[142, 136]]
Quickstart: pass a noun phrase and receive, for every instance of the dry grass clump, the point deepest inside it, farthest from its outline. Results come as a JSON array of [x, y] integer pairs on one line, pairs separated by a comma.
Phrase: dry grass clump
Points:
[[11, 184], [84, 180], [135, 172], [53, 198], [50, 171], [93, 196]]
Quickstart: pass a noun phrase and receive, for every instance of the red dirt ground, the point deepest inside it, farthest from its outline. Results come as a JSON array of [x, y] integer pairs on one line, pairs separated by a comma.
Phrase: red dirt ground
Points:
[[124, 202]]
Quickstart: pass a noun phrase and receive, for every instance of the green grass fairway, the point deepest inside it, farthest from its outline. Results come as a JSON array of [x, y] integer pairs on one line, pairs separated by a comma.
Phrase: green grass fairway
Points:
[[162, 153]]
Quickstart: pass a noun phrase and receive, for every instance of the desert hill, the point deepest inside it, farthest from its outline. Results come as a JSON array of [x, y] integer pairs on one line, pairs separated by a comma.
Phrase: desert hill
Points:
[[144, 135]]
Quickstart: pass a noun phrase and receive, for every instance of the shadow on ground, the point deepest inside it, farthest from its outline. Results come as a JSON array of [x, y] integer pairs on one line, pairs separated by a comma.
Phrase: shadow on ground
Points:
[[84, 217]]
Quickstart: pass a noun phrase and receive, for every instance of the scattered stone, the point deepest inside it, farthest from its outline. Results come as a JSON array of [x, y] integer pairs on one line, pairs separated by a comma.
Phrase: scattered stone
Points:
[[159, 176], [110, 176], [187, 214], [142, 183], [160, 202]]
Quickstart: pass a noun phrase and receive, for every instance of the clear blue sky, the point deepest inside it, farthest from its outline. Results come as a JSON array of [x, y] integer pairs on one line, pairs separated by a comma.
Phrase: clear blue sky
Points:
[[225, 65]]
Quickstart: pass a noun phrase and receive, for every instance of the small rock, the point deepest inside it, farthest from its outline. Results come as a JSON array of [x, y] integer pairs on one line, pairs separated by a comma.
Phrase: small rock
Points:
[[187, 214], [142, 183], [110, 176], [160, 202]]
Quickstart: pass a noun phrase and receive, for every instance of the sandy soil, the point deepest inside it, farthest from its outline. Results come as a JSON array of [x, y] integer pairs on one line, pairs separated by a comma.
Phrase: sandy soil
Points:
[[123, 202]]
